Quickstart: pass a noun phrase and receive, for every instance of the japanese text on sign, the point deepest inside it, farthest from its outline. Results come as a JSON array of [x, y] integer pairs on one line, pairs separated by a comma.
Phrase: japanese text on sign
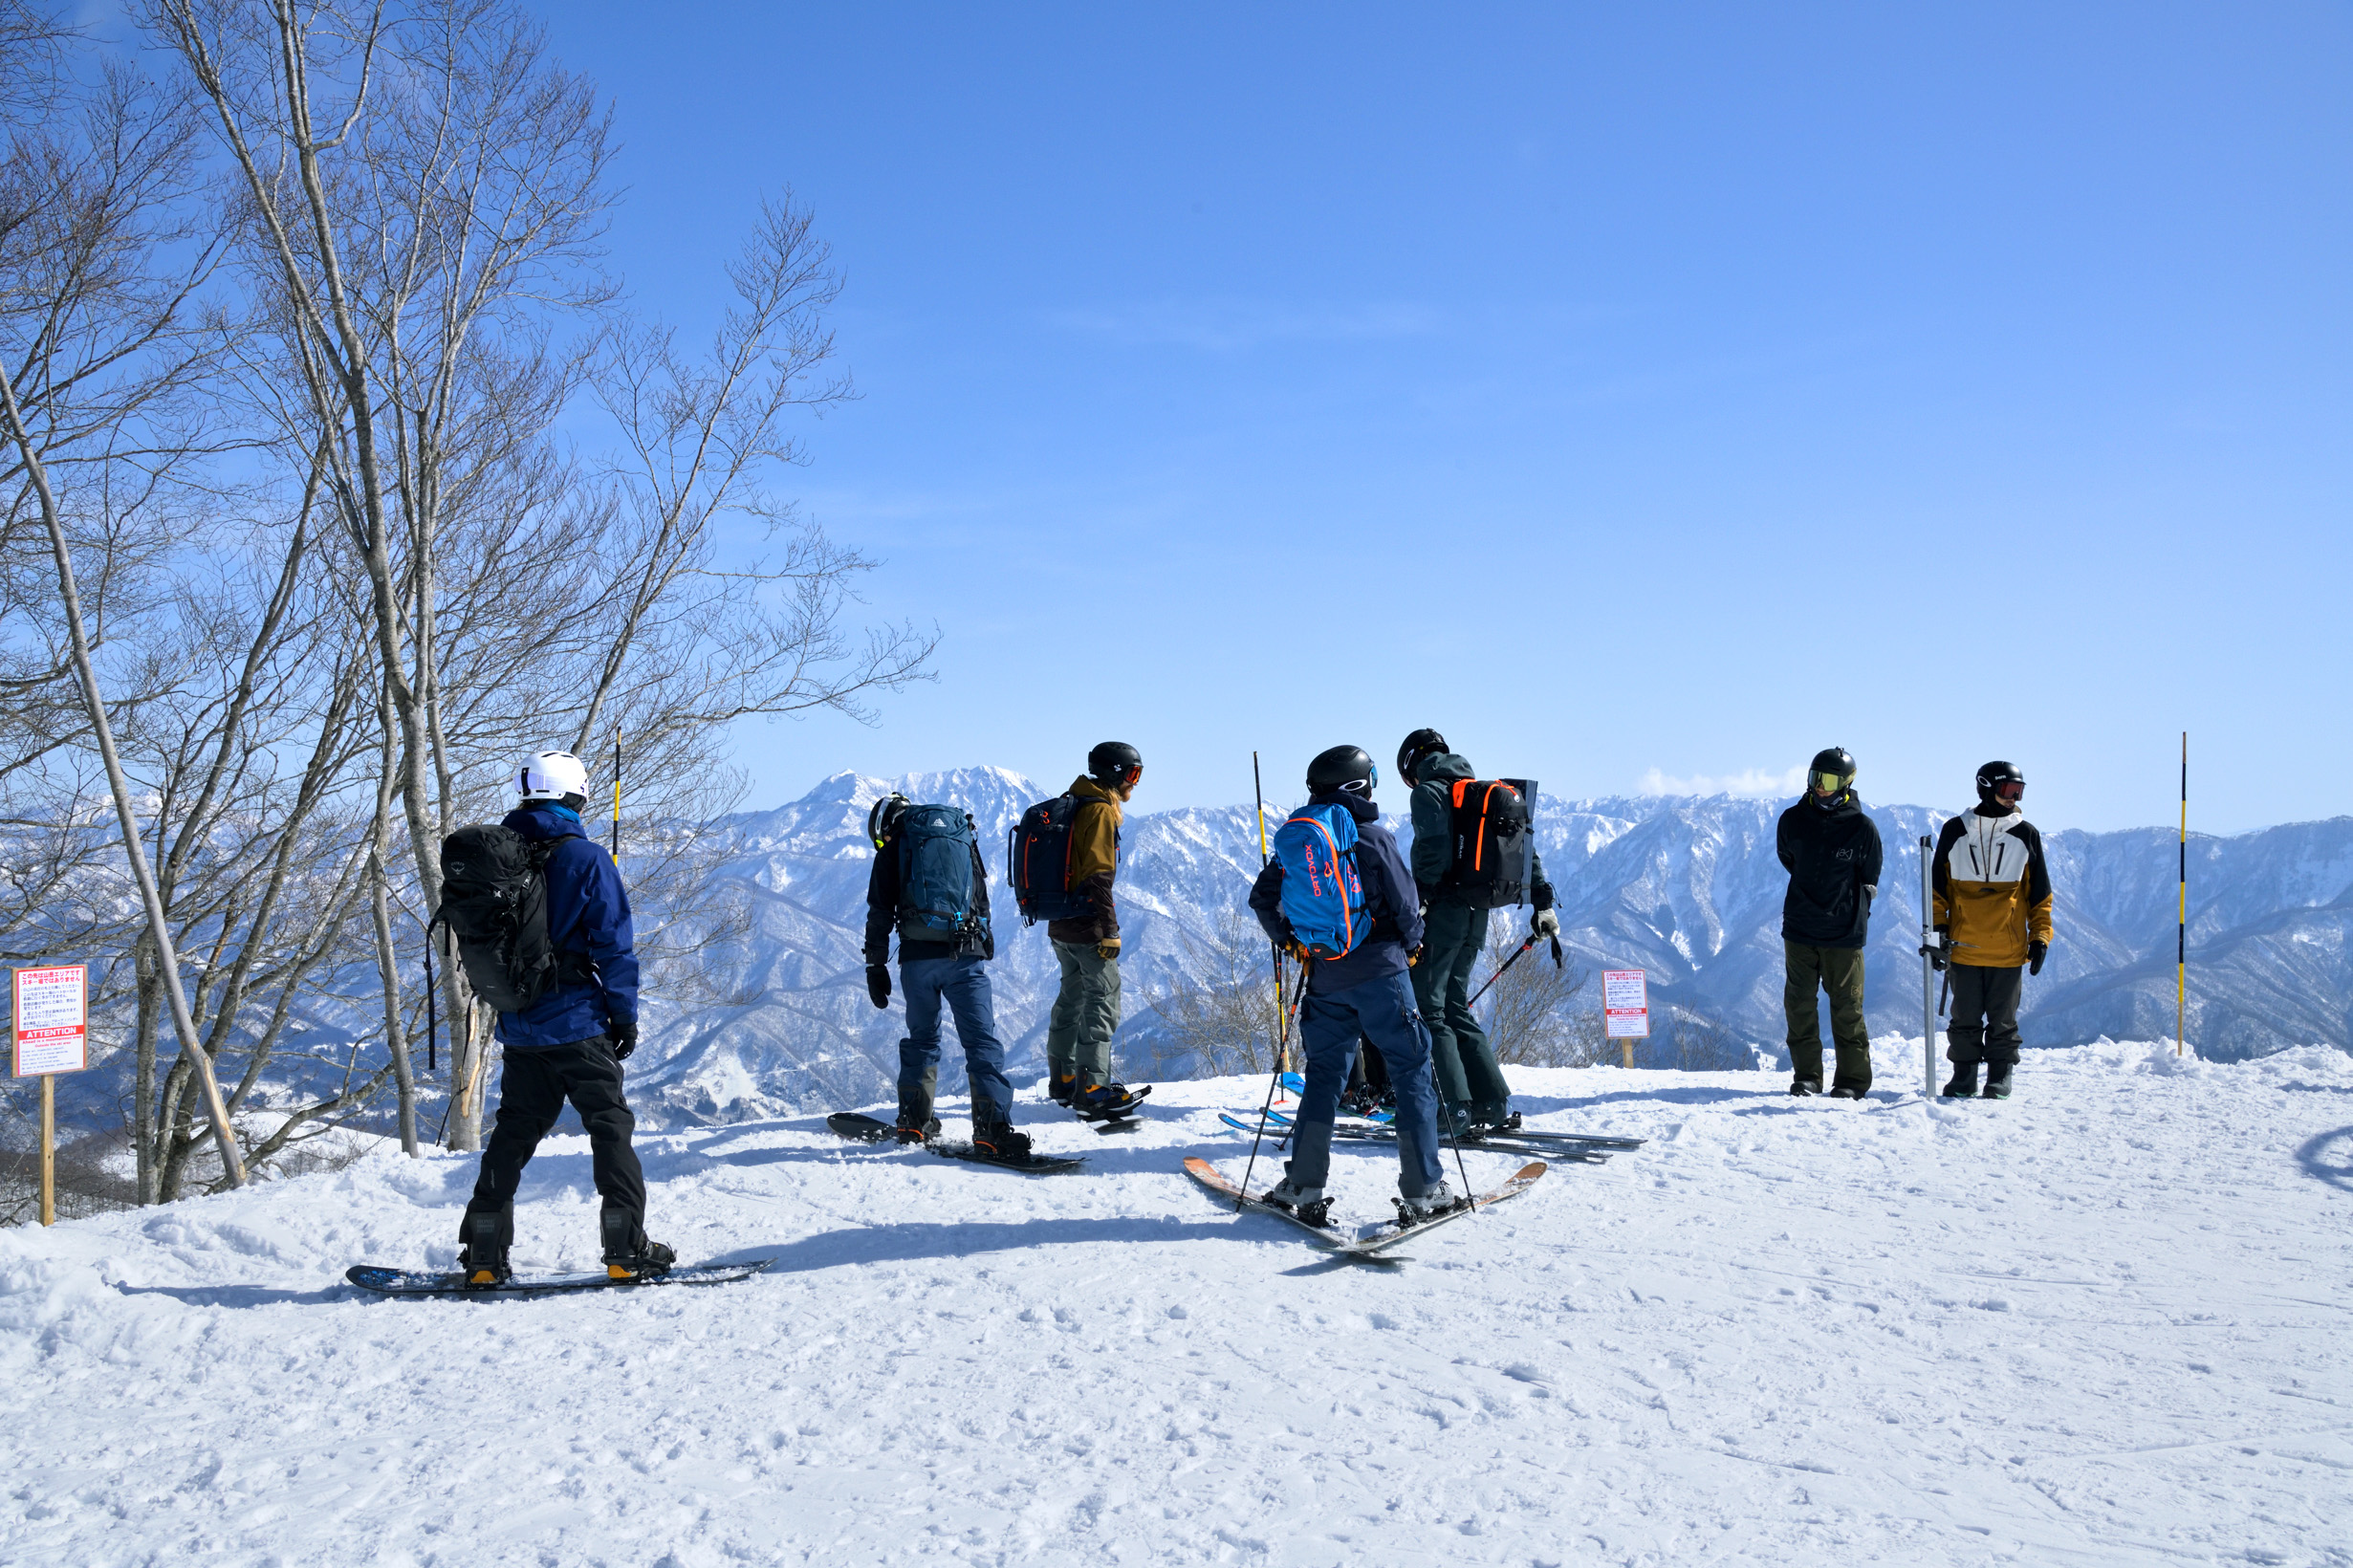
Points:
[[1625, 1003], [51, 1019]]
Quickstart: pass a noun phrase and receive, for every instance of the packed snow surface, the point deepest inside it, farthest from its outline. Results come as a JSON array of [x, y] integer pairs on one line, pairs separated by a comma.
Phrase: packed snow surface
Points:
[[2105, 1321]]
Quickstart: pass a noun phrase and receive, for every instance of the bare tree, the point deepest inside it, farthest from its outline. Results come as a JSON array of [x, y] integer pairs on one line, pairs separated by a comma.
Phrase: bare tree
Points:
[[1533, 1018], [1221, 1019]]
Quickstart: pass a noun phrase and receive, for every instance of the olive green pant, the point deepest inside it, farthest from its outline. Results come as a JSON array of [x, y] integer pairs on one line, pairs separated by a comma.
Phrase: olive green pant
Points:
[[1087, 1013], [1838, 970], [1462, 1062]]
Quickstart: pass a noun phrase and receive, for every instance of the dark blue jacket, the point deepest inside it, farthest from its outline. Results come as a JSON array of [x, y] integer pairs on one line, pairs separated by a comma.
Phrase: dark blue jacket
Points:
[[1390, 899], [588, 916]]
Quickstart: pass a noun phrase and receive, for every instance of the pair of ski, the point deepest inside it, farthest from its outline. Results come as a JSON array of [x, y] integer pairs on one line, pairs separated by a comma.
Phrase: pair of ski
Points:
[[1370, 1243], [1588, 1148]]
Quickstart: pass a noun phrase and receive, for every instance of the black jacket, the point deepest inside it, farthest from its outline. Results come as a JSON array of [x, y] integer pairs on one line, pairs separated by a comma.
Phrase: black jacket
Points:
[[883, 912], [1389, 900], [1831, 856]]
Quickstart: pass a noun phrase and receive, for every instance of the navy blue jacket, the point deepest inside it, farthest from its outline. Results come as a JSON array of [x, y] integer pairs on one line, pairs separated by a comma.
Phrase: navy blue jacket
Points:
[[1390, 899], [588, 915]]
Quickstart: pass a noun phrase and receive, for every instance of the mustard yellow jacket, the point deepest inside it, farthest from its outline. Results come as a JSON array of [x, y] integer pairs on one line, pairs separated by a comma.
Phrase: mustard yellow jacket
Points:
[[1992, 889], [1094, 863]]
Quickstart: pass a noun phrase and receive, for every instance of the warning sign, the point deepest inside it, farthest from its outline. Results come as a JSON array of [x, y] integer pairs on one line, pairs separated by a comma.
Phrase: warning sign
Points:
[[51, 1019], [1625, 1003]]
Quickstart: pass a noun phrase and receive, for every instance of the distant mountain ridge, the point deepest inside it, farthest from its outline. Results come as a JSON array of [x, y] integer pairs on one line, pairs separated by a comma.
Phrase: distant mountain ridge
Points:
[[1686, 887]]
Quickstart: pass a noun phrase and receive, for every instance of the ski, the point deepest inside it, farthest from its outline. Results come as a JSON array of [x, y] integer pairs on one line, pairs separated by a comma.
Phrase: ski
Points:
[[1478, 1138], [408, 1282], [865, 1129], [1374, 1240], [1328, 1236]]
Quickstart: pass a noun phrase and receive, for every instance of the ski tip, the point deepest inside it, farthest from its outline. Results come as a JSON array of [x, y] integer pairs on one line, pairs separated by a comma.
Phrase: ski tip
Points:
[[1530, 1171]]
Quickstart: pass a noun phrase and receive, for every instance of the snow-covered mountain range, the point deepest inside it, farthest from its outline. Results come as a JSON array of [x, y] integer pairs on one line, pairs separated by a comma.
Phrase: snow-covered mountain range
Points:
[[1687, 888]]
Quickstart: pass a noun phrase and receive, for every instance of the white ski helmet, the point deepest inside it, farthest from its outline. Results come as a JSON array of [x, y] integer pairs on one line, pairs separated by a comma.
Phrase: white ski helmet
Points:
[[551, 775]]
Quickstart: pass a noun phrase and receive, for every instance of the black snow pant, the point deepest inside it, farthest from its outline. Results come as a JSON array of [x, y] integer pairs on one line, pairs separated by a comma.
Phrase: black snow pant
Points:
[[1810, 972], [531, 1091], [1984, 1016]]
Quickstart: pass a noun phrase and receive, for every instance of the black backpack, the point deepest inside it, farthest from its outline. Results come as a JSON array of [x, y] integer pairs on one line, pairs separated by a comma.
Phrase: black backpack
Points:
[[494, 901], [1038, 862], [1493, 843]]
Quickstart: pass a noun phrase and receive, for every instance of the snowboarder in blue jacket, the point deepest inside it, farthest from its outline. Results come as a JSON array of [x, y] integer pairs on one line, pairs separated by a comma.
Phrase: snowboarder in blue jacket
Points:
[[1364, 992], [569, 1044]]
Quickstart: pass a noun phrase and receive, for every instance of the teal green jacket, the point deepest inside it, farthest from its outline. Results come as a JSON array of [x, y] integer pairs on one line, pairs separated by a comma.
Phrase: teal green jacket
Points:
[[1433, 831]]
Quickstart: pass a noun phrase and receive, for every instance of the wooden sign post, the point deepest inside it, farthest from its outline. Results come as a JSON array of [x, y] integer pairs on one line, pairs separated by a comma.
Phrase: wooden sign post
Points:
[[1625, 1007], [51, 1032]]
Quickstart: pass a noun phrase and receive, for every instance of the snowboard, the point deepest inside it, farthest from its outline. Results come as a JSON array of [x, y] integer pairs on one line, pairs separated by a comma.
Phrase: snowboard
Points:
[[1371, 1241], [407, 1282], [865, 1129]]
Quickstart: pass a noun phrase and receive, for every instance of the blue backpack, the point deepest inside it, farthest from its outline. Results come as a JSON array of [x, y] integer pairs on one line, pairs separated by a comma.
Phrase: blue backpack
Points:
[[1322, 897], [935, 875]]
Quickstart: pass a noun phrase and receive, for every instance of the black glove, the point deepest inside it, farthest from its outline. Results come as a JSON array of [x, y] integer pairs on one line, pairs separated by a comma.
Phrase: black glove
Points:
[[2036, 953], [623, 1033], [878, 984], [1938, 950]]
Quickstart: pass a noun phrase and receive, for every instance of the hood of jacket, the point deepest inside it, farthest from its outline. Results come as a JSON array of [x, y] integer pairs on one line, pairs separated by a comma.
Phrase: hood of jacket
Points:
[[1086, 788], [1359, 808], [1442, 769], [541, 825]]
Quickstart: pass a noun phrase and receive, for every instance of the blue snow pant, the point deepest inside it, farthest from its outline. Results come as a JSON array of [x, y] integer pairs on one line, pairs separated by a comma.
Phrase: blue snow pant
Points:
[[963, 984], [1382, 1012]]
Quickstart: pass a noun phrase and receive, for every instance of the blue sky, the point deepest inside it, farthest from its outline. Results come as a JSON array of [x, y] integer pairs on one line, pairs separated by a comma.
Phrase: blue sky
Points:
[[1638, 394]]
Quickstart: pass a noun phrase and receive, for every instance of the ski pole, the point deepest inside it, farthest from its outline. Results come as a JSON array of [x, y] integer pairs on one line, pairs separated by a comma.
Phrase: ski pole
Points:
[[1259, 788], [1272, 1078], [432, 1024], [1508, 962]]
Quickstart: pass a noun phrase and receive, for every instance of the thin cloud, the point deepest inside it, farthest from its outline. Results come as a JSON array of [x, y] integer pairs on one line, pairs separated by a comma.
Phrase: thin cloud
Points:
[[1749, 781]]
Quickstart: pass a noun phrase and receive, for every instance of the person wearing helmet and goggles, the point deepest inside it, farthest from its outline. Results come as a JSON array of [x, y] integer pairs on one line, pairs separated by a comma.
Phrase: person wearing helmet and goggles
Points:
[[1993, 906], [1831, 850], [1086, 948]]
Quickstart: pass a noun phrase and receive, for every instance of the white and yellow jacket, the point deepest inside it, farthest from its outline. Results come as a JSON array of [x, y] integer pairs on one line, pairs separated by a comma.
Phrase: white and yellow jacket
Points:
[[1992, 889]]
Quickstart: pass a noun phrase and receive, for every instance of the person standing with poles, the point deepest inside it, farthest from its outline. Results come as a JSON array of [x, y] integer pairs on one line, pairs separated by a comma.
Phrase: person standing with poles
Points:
[[1087, 1008], [1831, 851], [1339, 897], [1472, 1091], [574, 1020], [1992, 919]]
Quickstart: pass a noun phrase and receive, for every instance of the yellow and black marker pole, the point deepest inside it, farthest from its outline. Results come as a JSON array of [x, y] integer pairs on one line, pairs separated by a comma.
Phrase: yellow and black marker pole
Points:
[[617, 800], [2181, 932], [1258, 788]]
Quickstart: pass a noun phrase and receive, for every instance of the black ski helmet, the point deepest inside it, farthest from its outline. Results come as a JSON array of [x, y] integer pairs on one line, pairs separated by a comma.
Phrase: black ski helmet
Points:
[[883, 820], [1835, 761], [1420, 743], [1115, 764], [1343, 768], [1993, 776]]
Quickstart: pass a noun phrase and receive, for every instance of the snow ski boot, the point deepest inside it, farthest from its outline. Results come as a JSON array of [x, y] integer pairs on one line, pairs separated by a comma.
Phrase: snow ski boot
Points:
[[1455, 1119], [998, 1138], [1997, 1082], [627, 1253], [1485, 1119], [1963, 1084], [1307, 1203], [915, 1123], [1846, 1091], [1060, 1086], [1438, 1200], [483, 1257], [1802, 1087]]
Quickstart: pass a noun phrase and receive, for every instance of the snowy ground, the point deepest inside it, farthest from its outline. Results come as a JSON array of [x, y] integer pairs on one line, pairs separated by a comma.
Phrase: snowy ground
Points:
[[2106, 1322]]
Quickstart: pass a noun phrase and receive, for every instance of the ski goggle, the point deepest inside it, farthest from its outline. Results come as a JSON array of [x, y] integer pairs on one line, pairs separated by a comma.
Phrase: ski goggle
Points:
[[2010, 790], [1828, 783], [1366, 785]]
